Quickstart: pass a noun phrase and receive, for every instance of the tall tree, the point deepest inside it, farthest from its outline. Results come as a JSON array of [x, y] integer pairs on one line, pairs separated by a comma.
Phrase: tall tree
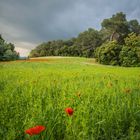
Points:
[[134, 26], [88, 41], [7, 51], [117, 26]]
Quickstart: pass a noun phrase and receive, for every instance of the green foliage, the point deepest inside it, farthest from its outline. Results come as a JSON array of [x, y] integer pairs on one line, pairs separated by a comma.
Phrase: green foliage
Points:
[[108, 53], [130, 54], [110, 45], [7, 51], [52, 48], [132, 40], [88, 41], [111, 53], [83, 45], [134, 26], [117, 25], [111, 27]]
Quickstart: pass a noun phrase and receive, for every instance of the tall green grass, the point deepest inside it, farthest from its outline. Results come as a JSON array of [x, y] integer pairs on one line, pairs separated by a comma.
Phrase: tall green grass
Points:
[[106, 100]]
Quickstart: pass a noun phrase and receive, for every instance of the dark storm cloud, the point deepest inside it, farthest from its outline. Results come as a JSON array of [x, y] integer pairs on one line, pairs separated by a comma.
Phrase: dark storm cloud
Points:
[[34, 21]]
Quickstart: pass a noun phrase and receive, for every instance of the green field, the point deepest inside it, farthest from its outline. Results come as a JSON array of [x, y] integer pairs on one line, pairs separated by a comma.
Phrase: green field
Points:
[[105, 99]]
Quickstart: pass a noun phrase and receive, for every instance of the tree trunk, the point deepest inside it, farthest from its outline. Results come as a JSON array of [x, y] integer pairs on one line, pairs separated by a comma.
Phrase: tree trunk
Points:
[[112, 36]]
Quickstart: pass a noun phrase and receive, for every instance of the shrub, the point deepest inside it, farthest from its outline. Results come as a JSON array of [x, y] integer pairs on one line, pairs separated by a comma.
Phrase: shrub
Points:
[[111, 53], [130, 54], [108, 53], [7, 51]]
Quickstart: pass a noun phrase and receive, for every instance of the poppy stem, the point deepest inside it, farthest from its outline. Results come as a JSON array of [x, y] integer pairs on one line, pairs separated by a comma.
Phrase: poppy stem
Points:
[[54, 124]]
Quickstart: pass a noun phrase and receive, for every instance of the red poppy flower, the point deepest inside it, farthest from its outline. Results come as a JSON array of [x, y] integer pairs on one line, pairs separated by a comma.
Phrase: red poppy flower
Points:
[[69, 111], [35, 130]]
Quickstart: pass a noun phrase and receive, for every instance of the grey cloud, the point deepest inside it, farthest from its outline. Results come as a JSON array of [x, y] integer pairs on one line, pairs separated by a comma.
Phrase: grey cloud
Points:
[[34, 21]]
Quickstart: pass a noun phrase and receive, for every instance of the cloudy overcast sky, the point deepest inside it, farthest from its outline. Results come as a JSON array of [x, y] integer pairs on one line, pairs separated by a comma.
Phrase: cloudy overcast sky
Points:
[[27, 23]]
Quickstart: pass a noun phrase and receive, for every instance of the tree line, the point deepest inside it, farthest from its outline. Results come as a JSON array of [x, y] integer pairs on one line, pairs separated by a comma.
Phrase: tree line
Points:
[[7, 51], [108, 45], [84, 45]]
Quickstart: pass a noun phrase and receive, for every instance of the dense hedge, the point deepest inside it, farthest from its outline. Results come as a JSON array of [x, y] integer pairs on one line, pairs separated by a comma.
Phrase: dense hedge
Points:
[[108, 53], [111, 53]]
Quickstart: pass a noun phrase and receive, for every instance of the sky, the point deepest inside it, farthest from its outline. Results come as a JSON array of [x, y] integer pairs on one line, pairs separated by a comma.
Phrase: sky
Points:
[[27, 23]]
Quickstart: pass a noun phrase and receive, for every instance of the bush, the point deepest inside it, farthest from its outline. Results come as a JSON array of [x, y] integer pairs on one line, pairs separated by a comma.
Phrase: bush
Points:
[[10, 55], [108, 53], [111, 53], [130, 54], [7, 51]]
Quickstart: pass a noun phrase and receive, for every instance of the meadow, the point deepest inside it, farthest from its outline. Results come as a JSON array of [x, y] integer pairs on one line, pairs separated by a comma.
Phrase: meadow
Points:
[[105, 100]]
